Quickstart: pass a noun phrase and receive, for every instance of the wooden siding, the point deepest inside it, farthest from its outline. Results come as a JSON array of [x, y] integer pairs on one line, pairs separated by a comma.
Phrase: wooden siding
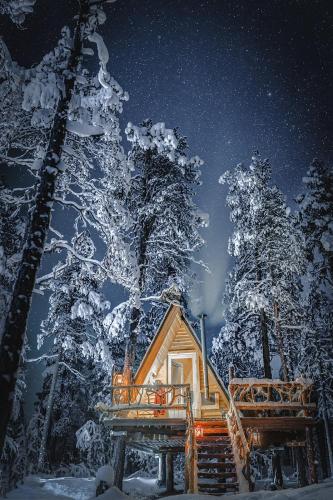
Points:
[[174, 337]]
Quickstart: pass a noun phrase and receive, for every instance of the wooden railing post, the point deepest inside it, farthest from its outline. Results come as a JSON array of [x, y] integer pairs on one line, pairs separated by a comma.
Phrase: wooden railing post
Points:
[[240, 443], [190, 449]]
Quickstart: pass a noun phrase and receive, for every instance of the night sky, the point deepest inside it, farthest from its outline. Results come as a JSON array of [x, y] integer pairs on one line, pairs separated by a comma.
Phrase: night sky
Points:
[[234, 76]]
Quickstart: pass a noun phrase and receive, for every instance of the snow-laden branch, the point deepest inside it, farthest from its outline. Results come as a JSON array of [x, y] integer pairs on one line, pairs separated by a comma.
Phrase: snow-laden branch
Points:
[[41, 358], [72, 370]]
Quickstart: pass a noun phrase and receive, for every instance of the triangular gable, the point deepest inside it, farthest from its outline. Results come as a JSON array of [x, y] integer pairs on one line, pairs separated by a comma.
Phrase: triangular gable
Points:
[[173, 319]]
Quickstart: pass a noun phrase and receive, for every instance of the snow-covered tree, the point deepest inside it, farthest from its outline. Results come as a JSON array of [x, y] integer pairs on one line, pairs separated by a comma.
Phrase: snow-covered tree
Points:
[[239, 341], [165, 220], [17, 10], [263, 295], [60, 97], [316, 221], [12, 228], [75, 327]]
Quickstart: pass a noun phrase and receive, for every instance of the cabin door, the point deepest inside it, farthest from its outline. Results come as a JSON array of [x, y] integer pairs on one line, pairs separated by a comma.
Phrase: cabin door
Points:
[[177, 377], [177, 364]]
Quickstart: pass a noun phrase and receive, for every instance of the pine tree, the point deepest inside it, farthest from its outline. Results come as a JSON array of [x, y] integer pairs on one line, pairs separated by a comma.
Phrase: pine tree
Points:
[[239, 341], [263, 299], [75, 324], [165, 221], [55, 94], [315, 219], [17, 10]]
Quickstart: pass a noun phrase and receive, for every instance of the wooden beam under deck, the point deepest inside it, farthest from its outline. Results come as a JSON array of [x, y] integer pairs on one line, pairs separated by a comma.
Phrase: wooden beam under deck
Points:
[[147, 425], [272, 405], [282, 424], [158, 446]]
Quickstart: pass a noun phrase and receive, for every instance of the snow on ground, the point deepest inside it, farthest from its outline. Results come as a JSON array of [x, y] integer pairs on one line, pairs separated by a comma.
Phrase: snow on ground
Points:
[[322, 491], [70, 488]]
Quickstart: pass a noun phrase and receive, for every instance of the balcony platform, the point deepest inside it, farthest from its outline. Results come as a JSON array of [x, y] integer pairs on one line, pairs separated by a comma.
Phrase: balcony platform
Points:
[[159, 426], [282, 424]]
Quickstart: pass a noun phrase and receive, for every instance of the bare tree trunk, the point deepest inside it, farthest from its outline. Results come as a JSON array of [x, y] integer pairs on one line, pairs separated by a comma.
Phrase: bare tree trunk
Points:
[[263, 330], [46, 425], [16, 321], [328, 440], [145, 228], [265, 345], [278, 334], [311, 456], [132, 338], [325, 405]]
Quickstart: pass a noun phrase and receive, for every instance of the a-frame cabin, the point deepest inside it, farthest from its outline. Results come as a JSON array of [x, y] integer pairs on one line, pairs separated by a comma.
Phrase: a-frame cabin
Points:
[[163, 409], [176, 403], [175, 357]]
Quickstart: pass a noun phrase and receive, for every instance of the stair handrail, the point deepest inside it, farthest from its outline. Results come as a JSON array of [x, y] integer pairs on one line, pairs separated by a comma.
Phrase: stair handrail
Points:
[[238, 436], [191, 476]]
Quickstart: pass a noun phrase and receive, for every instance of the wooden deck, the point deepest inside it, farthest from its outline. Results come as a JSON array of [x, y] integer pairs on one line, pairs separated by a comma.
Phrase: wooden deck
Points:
[[262, 413], [282, 424]]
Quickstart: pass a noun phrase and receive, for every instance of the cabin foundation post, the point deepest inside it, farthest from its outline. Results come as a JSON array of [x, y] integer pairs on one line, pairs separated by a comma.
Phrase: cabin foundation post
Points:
[[162, 469], [118, 459], [301, 469], [277, 471], [169, 472], [313, 476]]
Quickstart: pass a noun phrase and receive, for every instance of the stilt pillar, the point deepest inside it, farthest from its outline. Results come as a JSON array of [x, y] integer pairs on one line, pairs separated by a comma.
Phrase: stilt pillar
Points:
[[118, 459], [169, 472], [301, 469], [162, 469], [313, 476], [277, 471]]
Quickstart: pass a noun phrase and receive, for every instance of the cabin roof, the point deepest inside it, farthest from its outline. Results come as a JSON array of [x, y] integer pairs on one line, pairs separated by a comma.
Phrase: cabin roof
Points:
[[173, 308]]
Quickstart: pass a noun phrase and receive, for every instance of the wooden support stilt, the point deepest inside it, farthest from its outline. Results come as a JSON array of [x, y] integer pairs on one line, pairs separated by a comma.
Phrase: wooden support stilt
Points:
[[118, 459], [301, 469], [169, 472], [277, 471], [162, 469], [313, 476]]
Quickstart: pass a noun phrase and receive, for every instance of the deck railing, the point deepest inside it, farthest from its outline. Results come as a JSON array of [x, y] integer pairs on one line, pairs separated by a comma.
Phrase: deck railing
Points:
[[241, 447], [191, 454], [148, 400], [272, 395]]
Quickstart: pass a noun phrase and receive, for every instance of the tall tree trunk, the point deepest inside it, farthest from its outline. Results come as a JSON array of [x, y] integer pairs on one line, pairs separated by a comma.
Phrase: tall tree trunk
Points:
[[263, 329], [130, 351], [313, 476], [265, 344], [145, 228], [49, 407], [278, 334], [322, 386], [16, 321]]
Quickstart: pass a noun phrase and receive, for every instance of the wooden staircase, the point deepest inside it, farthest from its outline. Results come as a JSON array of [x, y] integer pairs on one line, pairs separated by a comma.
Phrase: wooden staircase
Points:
[[216, 470]]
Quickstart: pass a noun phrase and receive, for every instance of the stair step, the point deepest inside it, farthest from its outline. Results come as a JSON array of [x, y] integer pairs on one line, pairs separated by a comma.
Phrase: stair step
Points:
[[217, 446], [214, 455], [213, 444], [215, 465], [210, 439], [217, 487], [214, 431], [211, 423], [215, 475]]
